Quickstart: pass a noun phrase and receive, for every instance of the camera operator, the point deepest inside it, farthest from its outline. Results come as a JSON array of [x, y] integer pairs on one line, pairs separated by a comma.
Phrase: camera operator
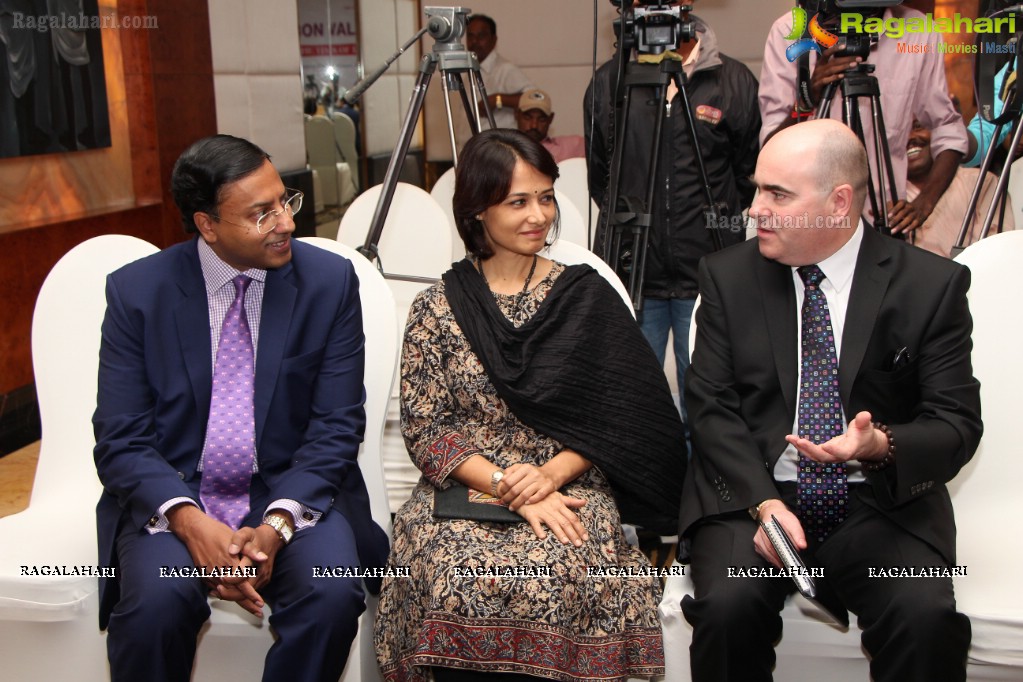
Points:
[[911, 84], [723, 96]]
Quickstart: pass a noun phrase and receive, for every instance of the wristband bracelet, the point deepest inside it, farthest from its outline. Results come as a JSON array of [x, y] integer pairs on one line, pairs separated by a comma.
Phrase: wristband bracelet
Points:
[[889, 455]]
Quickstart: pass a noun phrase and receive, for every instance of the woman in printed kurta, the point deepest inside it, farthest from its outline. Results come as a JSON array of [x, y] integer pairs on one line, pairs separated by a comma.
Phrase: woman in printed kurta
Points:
[[520, 599]]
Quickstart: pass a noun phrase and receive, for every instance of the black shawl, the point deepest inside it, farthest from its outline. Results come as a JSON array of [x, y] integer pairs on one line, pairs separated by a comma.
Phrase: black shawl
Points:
[[581, 372]]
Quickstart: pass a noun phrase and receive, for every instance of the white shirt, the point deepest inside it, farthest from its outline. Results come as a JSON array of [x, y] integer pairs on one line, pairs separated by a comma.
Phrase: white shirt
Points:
[[502, 77], [838, 271]]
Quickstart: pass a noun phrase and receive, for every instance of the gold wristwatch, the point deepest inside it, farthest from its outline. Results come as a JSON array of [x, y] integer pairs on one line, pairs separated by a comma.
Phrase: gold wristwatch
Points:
[[754, 511], [280, 524]]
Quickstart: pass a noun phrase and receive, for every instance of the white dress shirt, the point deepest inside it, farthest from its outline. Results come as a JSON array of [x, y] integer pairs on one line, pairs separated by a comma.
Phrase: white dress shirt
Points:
[[838, 271]]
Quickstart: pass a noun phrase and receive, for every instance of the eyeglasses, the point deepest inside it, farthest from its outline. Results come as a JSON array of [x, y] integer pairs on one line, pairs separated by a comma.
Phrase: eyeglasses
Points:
[[268, 220]]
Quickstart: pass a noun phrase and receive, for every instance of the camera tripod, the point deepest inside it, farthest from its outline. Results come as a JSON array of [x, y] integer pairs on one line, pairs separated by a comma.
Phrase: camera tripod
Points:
[[860, 82], [626, 220], [1011, 114], [446, 26], [998, 199]]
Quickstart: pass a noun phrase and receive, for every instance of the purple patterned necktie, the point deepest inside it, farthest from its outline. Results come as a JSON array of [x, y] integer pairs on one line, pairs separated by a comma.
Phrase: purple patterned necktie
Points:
[[822, 488], [230, 434]]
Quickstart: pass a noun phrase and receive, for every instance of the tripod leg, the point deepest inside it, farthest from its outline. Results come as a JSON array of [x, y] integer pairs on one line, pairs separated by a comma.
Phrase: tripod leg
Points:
[[454, 80], [713, 213], [609, 230], [881, 135], [824, 106], [851, 116], [1003, 184], [971, 208], [376, 227], [884, 171], [478, 84], [467, 97]]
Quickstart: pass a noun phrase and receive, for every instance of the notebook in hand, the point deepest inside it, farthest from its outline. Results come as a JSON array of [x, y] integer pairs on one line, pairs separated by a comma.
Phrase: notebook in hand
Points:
[[798, 571], [460, 502]]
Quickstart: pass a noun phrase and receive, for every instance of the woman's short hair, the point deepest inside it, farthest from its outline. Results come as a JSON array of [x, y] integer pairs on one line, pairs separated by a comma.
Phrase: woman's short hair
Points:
[[202, 171], [484, 176]]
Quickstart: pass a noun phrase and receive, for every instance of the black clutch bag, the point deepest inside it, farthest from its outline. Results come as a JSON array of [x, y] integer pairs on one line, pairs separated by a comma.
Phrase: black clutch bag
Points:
[[460, 502]]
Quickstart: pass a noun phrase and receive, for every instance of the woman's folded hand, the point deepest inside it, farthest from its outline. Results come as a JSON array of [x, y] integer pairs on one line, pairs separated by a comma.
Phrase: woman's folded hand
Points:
[[557, 513], [525, 484]]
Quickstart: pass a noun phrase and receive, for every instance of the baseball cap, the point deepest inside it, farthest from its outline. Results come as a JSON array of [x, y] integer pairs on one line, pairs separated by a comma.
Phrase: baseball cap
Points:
[[535, 98]]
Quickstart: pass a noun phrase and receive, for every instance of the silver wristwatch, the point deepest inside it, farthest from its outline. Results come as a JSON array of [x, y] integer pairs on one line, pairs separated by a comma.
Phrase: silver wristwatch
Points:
[[495, 479]]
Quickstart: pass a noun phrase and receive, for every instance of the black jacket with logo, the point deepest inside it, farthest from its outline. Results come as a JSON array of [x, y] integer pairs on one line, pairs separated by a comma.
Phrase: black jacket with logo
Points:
[[723, 96]]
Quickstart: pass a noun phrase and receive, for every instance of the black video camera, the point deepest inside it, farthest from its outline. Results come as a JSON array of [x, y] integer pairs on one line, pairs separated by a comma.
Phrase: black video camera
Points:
[[654, 27]]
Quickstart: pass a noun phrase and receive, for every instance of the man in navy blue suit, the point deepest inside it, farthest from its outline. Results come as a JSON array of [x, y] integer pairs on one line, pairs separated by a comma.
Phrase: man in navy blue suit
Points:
[[306, 503]]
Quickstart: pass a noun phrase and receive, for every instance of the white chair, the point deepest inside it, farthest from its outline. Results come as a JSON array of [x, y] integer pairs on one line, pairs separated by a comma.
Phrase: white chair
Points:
[[984, 493], [574, 184], [344, 137], [1014, 189], [233, 644], [443, 193], [324, 158], [416, 240], [570, 253], [573, 223], [380, 324], [50, 624]]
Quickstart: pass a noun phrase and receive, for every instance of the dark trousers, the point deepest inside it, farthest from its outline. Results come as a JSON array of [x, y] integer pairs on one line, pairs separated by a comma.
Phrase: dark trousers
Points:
[[154, 626], [911, 629]]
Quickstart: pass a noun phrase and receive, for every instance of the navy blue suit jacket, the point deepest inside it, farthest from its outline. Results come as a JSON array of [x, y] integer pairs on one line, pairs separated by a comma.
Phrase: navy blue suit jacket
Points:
[[155, 379]]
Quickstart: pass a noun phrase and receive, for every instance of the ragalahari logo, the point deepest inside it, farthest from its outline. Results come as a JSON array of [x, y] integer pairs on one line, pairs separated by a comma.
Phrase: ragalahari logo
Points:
[[818, 41]]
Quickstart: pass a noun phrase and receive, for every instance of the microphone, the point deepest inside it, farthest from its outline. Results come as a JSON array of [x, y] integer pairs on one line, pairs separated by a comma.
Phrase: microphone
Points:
[[352, 95]]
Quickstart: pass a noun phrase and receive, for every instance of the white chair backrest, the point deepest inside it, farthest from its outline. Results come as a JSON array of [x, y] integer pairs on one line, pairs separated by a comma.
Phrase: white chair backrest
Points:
[[380, 325], [574, 184], [319, 142], [65, 355], [416, 239], [1014, 190], [344, 136], [336, 183], [573, 223], [573, 254], [443, 193], [987, 489], [692, 329]]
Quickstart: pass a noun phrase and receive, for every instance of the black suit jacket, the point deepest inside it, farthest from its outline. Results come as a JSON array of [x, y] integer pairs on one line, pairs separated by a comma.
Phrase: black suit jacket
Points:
[[741, 389]]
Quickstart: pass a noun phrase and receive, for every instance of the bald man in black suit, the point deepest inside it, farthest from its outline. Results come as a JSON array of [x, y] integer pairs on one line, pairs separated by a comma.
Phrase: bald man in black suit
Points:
[[907, 415]]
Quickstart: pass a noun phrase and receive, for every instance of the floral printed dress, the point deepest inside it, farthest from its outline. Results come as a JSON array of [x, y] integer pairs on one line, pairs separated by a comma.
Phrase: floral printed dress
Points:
[[554, 618]]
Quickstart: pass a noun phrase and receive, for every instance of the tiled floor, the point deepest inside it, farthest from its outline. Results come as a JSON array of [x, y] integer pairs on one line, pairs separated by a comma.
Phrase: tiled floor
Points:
[[17, 471]]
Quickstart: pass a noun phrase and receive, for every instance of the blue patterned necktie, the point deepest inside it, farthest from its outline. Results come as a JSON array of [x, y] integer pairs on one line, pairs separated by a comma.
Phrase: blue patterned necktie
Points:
[[822, 488], [230, 433]]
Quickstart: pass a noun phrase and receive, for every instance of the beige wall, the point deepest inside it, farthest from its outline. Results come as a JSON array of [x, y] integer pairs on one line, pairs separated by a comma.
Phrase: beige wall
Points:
[[384, 25], [256, 76]]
